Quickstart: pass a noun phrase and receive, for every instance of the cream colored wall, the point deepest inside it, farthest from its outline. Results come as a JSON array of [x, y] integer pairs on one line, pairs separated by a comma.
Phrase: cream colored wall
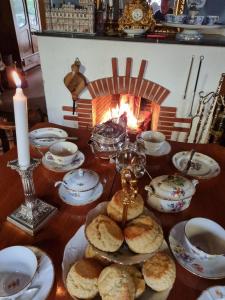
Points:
[[168, 65]]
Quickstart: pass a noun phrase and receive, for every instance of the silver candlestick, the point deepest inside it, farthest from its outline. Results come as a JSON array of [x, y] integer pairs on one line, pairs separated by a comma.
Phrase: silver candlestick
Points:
[[33, 213]]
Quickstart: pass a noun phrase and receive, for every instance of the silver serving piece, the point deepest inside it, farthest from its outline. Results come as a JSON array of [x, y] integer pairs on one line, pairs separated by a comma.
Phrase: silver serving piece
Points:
[[33, 213]]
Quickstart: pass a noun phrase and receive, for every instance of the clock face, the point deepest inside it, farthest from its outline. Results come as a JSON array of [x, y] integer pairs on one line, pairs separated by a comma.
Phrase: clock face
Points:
[[137, 14]]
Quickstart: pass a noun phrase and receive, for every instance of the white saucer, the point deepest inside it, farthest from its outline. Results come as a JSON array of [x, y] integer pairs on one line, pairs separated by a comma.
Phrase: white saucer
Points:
[[164, 150], [202, 268], [68, 198], [53, 166], [46, 132], [213, 293], [43, 279], [202, 166]]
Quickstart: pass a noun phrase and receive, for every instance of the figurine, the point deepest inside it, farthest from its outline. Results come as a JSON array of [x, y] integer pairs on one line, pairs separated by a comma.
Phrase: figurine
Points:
[[75, 81]]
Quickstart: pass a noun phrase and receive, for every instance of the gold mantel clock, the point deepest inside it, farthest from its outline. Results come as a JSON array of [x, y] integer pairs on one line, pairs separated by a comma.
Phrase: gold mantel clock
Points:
[[137, 18]]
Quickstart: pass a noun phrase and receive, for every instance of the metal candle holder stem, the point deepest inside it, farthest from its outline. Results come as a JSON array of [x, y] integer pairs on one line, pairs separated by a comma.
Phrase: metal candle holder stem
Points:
[[130, 190], [33, 213]]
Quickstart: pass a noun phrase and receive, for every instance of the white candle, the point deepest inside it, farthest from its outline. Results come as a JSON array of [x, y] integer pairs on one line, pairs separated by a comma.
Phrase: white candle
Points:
[[110, 3], [21, 122]]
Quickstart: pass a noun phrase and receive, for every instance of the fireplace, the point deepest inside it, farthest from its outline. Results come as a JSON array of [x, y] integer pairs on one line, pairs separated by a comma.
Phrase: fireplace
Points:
[[144, 98]]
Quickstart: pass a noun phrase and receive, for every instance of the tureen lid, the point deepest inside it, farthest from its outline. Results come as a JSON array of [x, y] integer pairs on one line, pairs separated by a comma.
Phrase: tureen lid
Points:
[[173, 187], [81, 180]]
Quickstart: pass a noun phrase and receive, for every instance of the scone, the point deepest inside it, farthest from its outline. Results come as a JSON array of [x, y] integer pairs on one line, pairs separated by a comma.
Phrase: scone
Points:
[[115, 283], [137, 278], [104, 234], [159, 272], [115, 207], [143, 235], [82, 278], [91, 253]]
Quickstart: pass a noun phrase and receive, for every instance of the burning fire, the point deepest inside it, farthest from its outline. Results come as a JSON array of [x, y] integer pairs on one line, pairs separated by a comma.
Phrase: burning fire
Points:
[[116, 112]]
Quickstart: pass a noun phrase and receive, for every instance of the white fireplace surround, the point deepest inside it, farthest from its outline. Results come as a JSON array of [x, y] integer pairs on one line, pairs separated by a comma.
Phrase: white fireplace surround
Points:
[[167, 65]]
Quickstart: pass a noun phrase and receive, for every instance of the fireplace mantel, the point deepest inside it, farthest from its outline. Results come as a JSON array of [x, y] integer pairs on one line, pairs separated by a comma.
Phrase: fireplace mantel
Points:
[[167, 65]]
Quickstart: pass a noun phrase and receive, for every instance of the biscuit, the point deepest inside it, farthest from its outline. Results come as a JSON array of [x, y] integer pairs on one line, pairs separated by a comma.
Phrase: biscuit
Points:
[[159, 272], [91, 253], [115, 207], [104, 234], [82, 279], [115, 283], [143, 235], [137, 278]]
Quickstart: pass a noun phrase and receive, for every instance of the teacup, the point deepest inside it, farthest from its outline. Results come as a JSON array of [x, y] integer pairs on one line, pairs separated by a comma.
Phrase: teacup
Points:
[[169, 18], [211, 20], [179, 19], [153, 140], [18, 266], [62, 153], [205, 238], [195, 20]]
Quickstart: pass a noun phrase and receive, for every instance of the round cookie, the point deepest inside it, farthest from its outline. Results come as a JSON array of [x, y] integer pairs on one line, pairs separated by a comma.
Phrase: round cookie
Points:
[[115, 207], [143, 235], [115, 282], [91, 253], [104, 234], [82, 279], [137, 278], [159, 272]]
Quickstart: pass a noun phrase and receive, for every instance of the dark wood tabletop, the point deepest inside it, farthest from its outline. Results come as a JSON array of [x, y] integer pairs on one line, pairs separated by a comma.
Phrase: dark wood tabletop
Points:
[[208, 202]]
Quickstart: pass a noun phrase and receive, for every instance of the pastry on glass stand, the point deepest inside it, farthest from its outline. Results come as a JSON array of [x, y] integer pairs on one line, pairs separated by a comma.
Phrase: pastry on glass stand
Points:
[[124, 239]]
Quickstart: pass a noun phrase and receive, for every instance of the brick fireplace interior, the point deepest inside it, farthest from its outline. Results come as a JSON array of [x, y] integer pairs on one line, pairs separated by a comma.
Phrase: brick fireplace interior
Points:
[[144, 98]]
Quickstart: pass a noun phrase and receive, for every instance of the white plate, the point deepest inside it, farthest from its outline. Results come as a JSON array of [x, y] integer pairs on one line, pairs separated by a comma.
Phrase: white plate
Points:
[[46, 132], [74, 251], [202, 268], [43, 279], [68, 198], [164, 150], [132, 32], [53, 166], [202, 166], [213, 293]]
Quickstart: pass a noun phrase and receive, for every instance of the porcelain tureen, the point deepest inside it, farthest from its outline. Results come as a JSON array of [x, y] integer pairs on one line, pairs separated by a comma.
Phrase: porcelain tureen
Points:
[[170, 193]]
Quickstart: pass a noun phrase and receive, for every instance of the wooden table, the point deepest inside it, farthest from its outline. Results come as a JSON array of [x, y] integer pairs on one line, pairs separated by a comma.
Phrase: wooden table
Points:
[[209, 202]]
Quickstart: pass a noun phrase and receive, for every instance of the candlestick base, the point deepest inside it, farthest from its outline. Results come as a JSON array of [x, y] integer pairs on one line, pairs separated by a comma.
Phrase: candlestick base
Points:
[[31, 215], [32, 223]]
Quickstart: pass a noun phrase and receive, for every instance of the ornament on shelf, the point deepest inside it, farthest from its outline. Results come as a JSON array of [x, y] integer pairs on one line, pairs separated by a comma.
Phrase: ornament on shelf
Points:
[[137, 18]]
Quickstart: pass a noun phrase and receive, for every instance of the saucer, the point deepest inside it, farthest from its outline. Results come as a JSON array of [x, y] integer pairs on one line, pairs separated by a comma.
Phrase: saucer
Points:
[[202, 166], [53, 166], [46, 132], [68, 198], [213, 293], [164, 150], [43, 279], [202, 268]]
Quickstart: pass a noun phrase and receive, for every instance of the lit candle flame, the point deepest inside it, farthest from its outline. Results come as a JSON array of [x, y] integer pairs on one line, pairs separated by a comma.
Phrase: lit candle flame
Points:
[[16, 79]]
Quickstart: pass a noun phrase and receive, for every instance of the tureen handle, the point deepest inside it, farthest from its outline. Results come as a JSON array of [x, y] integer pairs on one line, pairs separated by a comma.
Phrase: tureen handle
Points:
[[57, 183], [195, 182], [149, 188]]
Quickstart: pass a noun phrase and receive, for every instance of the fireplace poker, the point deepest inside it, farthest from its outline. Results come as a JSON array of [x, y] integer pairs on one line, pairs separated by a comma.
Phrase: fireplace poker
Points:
[[196, 84], [188, 78]]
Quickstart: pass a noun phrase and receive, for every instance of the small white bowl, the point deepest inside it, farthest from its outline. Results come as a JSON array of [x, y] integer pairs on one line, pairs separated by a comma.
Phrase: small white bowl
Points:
[[205, 238], [18, 265]]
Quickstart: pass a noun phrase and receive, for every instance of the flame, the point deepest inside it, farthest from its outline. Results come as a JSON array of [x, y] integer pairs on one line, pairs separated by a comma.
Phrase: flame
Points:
[[16, 79], [116, 112]]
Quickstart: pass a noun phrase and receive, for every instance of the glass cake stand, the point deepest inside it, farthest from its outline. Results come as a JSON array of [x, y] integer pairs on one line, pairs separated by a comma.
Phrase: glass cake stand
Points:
[[191, 32]]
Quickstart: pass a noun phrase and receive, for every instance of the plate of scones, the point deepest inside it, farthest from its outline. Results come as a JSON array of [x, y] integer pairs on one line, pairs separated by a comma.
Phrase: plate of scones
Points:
[[105, 260]]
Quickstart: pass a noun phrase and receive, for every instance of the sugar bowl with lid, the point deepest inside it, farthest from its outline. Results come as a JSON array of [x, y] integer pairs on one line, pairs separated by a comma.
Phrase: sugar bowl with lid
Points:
[[170, 193], [80, 183]]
